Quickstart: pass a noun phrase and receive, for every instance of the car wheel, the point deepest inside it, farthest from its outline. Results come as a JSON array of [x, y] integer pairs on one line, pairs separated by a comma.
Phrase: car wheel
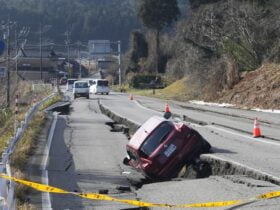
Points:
[[206, 146], [107, 93], [75, 96], [87, 96], [202, 168]]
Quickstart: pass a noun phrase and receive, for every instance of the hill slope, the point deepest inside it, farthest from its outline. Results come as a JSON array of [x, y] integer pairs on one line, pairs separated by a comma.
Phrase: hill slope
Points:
[[257, 89]]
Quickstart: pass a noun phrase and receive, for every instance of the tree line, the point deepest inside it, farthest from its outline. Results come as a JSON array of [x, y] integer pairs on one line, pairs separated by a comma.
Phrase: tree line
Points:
[[83, 19]]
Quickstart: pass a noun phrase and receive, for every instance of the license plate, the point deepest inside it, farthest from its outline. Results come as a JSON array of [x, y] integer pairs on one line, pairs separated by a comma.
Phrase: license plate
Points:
[[170, 150]]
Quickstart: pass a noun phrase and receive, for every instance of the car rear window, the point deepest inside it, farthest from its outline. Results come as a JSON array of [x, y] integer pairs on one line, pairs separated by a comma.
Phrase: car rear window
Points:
[[156, 138], [102, 82], [91, 82], [81, 85]]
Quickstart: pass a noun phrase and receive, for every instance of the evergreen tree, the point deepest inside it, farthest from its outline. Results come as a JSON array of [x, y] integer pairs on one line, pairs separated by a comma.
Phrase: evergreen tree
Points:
[[156, 15]]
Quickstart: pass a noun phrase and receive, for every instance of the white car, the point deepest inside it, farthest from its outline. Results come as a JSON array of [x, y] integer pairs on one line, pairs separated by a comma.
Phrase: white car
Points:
[[81, 89], [69, 85], [100, 86]]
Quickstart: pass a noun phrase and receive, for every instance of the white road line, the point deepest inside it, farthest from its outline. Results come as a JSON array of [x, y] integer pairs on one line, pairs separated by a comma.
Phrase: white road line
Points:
[[46, 199], [143, 107], [266, 141]]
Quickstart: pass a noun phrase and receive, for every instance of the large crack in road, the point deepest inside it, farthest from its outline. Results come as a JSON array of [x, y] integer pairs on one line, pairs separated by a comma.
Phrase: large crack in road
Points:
[[219, 166]]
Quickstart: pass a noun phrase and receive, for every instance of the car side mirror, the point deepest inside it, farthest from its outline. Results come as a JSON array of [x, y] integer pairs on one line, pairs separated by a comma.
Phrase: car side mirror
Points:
[[126, 161]]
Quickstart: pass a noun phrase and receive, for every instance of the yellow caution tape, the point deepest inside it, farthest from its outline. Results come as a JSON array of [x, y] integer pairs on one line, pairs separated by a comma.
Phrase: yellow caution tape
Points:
[[34, 185], [269, 195], [95, 196]]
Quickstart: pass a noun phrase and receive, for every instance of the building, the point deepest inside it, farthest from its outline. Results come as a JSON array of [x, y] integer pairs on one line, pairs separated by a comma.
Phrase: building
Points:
[[99, 48], [30, 68]]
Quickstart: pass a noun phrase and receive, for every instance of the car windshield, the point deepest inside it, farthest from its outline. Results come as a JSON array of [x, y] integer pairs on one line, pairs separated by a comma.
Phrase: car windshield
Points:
[[81, 85], [91, 82], [102, 83], [156, 138], [71, 81]]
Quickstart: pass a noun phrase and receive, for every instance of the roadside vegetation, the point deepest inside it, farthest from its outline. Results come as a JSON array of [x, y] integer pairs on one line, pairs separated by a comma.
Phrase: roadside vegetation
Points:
[[23, 151], [174, 91], [211, 47], [26, 147]]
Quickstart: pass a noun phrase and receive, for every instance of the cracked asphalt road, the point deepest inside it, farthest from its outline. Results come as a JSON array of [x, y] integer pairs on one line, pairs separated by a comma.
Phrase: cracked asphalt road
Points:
[[87, 157]]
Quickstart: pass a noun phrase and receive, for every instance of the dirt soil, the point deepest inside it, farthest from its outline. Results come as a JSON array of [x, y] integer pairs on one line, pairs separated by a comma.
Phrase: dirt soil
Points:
[[257, 89]]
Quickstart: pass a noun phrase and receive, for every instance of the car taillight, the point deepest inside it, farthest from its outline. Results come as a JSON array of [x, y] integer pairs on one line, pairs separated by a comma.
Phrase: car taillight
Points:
[[145, 165], [145, 162], [179, 126]]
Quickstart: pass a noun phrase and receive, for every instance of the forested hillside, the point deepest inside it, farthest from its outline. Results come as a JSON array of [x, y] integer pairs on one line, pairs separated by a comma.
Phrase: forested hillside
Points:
[[214, 46], [84, 19]]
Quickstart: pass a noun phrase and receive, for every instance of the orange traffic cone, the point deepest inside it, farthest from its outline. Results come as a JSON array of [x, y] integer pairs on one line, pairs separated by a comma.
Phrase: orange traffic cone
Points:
[[257, 130], [166, 109], [131, 97], [167, 113]]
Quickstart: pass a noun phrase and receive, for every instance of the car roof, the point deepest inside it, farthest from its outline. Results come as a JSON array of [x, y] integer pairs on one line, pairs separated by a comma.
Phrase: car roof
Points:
[[142, 133], [81, 81]]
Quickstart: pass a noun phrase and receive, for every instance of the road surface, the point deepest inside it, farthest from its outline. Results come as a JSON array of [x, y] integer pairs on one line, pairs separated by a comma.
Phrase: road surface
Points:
[[86, 156]]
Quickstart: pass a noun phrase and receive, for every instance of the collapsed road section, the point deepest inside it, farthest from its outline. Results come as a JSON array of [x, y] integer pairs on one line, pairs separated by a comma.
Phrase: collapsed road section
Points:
[[219, 166]]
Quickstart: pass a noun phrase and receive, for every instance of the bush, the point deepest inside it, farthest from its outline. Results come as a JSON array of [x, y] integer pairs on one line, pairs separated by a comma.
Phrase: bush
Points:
[[5, 114], [146, 81]]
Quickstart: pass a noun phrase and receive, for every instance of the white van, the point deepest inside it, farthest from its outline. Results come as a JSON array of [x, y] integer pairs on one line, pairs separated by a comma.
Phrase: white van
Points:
[[100, 86], [81, 89], [69, 85]]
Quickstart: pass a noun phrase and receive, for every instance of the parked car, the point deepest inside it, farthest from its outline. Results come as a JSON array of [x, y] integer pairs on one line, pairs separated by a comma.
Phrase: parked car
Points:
[[160, 147], [63, 81], [69, 85], [100, 86], [81, 89]]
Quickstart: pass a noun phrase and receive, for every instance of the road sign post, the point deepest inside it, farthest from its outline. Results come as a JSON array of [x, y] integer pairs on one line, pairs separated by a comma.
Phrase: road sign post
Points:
[[2, 71], [2, 47]]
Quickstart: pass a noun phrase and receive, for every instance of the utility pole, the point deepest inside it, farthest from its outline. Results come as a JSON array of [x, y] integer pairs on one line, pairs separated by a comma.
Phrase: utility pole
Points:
[[16, 53], [8, 64], [80, 61], [41, 62], [119, 60], [68, 53], [40, 34]]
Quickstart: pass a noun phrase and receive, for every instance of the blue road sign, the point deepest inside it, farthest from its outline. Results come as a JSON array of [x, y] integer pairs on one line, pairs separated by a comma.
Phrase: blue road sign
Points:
[[2, 47]]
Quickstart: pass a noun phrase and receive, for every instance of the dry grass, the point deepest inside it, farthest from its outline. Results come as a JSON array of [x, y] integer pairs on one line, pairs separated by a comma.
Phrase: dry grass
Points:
[[51, 101], [25, 148], [257, 89], [181, 90], [27, 143], [6, 132]]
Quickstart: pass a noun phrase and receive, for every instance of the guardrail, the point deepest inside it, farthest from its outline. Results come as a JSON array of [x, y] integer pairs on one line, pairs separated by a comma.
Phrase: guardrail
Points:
[[7, 198]]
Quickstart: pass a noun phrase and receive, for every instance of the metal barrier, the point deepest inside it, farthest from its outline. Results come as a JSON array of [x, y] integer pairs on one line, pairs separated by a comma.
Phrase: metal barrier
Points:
[[7, 198]]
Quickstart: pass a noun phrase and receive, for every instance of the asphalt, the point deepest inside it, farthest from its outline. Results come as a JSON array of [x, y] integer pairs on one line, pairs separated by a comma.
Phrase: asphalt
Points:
[[227, 146], [87, 157]]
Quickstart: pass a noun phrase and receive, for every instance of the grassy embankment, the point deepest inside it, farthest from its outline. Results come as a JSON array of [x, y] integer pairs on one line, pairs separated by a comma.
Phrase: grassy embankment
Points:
[[25, 148], [27, 144], [176, 91]]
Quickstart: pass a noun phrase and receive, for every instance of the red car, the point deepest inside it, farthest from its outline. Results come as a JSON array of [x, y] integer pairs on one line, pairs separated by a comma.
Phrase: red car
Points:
[[160, 148]]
